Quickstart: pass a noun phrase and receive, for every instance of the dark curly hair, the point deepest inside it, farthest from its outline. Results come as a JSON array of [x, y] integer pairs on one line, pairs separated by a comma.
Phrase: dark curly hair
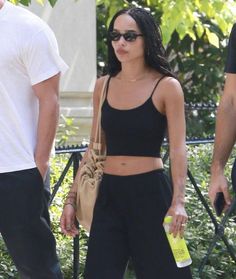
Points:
[[155, 55]]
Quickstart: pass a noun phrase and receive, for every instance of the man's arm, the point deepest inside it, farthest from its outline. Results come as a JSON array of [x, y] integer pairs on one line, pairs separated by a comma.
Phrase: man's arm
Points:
[[224, 139], [47, 93]]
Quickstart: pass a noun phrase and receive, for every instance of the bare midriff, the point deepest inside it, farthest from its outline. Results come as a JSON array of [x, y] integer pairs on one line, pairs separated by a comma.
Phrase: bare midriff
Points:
[[129, 165]]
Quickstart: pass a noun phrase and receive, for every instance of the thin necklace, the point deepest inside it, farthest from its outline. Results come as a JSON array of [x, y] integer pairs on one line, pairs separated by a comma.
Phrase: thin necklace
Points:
[[133, 80]]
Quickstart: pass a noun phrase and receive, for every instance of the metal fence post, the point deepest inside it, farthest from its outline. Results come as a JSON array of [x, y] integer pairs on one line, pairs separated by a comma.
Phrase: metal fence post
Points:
[[76, 158]]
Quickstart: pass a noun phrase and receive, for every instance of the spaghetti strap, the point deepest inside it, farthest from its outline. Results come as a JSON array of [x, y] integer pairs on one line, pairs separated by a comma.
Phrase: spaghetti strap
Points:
[[156, 85]]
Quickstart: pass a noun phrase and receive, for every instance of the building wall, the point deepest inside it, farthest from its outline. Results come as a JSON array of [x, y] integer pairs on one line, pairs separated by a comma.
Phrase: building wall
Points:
[[74, 24]]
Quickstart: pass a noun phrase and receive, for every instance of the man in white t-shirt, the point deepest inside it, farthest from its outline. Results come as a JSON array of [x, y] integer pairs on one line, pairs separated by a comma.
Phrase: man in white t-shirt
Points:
[[30, 68]]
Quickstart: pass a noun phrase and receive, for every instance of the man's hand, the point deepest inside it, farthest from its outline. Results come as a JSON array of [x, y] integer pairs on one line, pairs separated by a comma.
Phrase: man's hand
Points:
[[218, 183]]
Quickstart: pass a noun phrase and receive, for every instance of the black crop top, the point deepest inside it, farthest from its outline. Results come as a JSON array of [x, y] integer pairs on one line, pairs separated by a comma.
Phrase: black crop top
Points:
[[133, 132], [230, 66]]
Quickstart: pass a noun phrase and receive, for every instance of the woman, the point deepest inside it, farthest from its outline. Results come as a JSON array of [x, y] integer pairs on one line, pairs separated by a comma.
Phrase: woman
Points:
[[142, 99]]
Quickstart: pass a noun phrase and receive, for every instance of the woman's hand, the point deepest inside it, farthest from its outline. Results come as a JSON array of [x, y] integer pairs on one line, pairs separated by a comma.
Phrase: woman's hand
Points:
[[68, 221], [179, 219]]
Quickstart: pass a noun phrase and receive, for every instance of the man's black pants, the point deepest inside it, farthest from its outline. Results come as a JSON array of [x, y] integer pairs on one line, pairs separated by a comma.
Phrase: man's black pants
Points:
[[24, 225]]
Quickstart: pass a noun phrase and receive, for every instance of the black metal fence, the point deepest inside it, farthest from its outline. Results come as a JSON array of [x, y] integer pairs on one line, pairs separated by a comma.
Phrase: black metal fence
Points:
[[73, 161]]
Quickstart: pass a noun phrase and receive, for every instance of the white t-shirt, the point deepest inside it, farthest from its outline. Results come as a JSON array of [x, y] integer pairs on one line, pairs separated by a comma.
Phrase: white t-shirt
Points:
[[28, 55]]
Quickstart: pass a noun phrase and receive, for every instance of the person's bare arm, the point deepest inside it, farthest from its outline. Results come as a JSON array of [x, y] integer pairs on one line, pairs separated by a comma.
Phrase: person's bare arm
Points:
[[67, 220], [174, 109], [225, 137], [47, 93]]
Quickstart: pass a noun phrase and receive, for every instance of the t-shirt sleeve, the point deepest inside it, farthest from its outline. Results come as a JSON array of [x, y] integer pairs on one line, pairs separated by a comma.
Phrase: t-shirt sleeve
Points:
[[230, 66], [41, 57]]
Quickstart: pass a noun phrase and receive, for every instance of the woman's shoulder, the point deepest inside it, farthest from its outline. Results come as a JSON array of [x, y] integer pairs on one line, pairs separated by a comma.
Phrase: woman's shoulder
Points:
[[170, 86], [100, 82], [168, 92], [102, 79], [169, 81]]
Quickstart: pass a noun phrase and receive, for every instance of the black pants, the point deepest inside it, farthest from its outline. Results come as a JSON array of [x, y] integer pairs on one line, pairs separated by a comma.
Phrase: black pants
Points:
[[24, 225], [127, 223]]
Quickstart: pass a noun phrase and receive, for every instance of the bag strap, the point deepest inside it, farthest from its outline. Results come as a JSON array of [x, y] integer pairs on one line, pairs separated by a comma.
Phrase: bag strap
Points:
[[97, 145]]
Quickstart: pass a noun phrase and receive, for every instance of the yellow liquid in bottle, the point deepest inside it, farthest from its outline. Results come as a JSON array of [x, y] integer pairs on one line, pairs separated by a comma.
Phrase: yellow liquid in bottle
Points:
[[178, 246]]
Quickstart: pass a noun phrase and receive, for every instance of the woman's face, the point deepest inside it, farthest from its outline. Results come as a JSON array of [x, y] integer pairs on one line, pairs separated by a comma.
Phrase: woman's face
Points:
[[128, 47]]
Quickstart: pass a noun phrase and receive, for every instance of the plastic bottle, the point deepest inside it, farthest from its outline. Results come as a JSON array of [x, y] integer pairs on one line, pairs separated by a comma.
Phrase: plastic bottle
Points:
[[178, 246]]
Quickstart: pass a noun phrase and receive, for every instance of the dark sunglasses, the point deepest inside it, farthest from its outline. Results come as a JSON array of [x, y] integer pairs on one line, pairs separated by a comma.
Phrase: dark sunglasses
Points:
[[129, 36]]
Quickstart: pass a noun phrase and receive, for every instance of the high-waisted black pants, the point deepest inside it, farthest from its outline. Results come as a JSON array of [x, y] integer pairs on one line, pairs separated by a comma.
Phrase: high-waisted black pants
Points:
[[127, 223], [24, 225]]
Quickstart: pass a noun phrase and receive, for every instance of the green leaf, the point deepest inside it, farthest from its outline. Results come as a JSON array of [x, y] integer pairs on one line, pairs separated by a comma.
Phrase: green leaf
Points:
[[199, 29], [25, 2], [15, 2], [41, 2], [52, 2], [191, 34], [218, 5], [222, 23], [99, 2], [212, 38]]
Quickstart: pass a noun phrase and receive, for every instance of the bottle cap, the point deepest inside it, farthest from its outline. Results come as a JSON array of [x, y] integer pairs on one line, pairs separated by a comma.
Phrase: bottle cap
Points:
[[168, 219]]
